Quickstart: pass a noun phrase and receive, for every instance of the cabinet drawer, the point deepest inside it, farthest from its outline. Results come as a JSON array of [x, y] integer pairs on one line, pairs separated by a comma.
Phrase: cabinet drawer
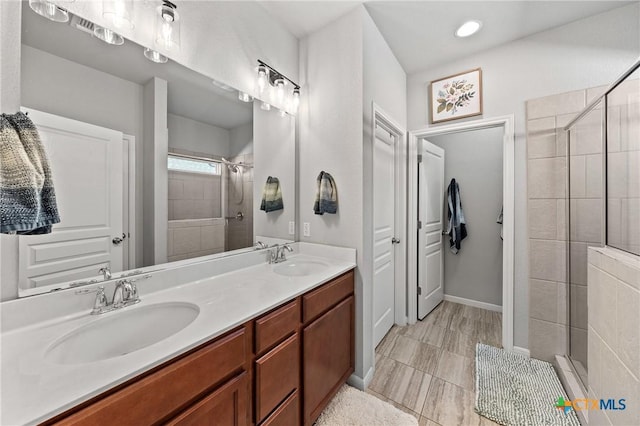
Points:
[[275, 326], [159, 395], [320, 300], [287, 414], [225, 406], [277, 375]]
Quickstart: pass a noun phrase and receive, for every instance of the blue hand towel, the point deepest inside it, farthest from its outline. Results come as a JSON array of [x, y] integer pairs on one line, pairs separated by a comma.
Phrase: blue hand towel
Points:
[[27, 197], [326, 195]]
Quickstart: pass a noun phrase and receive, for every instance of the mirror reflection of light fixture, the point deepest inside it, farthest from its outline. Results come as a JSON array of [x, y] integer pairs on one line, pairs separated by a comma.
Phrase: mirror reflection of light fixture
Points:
[[265, 106], [278, 90], [244, 97], [108, 36], [118, 12], [49, 10], [295, 102], [154, 56], [262, 78], [167, 26]]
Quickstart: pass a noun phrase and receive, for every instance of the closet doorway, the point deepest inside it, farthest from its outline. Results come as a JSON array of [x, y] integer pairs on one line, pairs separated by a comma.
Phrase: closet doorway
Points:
[[479, 156]]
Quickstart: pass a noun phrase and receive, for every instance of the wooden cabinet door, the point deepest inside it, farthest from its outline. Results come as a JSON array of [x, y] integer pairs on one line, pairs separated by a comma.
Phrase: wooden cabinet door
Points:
[[226, 406], [328, 357]]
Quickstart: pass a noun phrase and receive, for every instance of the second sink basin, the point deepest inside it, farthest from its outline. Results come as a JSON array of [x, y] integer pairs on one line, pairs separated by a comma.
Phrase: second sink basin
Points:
[[300, 268], [122, 332]]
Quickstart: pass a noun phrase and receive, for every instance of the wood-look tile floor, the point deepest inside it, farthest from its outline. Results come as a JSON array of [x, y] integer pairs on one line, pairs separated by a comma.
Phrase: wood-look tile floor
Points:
[[428, 369]]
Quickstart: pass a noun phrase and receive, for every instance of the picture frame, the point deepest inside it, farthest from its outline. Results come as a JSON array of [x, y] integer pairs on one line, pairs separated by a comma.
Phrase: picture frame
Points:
[[456, 96]]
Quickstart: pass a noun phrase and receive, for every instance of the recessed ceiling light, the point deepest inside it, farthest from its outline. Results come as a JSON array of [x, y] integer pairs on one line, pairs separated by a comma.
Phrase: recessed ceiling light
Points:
[[468, 28]]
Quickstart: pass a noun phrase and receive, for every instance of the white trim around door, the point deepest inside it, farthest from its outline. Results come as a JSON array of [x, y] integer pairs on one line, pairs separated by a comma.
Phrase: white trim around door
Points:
[[508, 255], [383, 119]]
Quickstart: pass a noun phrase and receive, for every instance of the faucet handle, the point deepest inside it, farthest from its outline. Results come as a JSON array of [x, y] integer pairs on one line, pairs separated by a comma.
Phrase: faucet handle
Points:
[[101, 302], [106, 273]]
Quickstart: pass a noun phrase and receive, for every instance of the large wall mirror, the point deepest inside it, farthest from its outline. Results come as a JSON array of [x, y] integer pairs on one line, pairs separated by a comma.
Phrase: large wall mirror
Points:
[[152, 162]]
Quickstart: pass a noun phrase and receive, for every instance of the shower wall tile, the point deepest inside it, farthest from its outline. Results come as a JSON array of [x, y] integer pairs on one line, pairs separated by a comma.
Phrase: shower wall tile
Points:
[[543, 219], [541, 293], [550, 106], [548, 260], [628, 308], [561, 220], [547, 178], [577, 176], [541, 137], [546, 339], [586, 223], [593, 168]]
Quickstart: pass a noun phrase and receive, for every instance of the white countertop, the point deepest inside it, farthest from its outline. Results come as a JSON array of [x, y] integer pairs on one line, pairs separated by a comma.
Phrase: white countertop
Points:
[[35, 389]]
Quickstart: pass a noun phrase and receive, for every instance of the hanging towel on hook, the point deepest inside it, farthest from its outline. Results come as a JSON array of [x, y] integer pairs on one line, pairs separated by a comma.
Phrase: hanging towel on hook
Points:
[[500, 220], [27, 197], [326, 195], [457, 229], [271, 196]]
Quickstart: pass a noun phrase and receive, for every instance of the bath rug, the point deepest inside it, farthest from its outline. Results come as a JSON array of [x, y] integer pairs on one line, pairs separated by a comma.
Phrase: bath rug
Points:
[[513, 389], [351, 407]]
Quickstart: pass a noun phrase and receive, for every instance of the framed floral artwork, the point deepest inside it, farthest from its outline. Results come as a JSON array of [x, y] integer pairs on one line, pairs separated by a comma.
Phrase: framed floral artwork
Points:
[[456, 96]]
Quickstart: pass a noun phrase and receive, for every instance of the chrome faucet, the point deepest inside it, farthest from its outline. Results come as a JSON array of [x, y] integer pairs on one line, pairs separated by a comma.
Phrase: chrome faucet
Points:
[[125, 294], [277, 253], [106, 273], [259, 245]]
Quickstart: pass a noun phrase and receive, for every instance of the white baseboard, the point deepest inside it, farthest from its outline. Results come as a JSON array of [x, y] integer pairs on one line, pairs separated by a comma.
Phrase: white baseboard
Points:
[[474, 303], [522, 351], [360, 383]]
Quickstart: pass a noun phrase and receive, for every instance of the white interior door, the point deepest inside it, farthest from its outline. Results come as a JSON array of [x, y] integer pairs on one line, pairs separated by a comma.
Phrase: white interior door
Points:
[[86, 163], [430, 214], [384, 148]]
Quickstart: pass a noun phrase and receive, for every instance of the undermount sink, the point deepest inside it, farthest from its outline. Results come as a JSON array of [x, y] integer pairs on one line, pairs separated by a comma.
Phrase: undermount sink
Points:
[[122, 332], [300, 268]]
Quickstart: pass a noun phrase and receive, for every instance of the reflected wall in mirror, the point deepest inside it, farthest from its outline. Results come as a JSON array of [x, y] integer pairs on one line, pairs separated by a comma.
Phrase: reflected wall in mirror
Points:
[[152, 163]]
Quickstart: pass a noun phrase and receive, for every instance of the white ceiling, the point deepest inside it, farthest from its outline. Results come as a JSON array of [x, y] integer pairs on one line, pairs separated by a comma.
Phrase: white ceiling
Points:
[[420, 33], [190, 94]]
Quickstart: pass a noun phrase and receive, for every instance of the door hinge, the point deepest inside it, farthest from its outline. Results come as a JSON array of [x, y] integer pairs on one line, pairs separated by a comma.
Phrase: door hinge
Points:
[[419, 290], [419, 224], [419, 158]]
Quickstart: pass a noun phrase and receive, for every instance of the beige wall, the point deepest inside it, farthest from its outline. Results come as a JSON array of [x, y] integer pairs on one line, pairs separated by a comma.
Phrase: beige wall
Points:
[[614, 334]]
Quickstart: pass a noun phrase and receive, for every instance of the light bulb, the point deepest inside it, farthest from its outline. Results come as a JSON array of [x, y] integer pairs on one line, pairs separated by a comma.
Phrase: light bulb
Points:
[[280, 89], [154, 56], [108, 36], [296, 98], [262, 78], [49, 10], [119, 12], [468, 28]]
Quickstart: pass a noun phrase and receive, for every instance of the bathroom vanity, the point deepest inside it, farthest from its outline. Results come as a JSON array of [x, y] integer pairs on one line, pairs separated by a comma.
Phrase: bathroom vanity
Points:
[[270, 345]]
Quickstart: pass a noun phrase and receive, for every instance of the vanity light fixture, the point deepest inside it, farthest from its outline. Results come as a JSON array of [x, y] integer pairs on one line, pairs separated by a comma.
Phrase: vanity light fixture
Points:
[[244, 97], [278, 83], [468, 28], [154, 56], [262, 78], [108, 36], [49, 10], [118, 12], [167, 26]]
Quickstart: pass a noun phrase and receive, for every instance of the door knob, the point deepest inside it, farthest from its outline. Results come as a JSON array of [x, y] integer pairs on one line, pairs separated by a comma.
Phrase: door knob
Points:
[[395, 240], [118, 240]]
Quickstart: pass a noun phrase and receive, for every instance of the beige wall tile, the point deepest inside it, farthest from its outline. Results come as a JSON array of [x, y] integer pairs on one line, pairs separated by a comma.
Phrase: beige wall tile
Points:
[[586, 136], [577, 176], [176, 189], [578, 263], [549, 106], [602, 302], [594, 345], [593, 176], [543, 218], [628, 327], [547, 178], [547, 260], [561, 220], [586, 220], [546, 339], [186, 240], [193, 189], [212, 237], [542, 145], [579, 344], [543, 301], [579, 310], [617, 382], [595, 92]]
